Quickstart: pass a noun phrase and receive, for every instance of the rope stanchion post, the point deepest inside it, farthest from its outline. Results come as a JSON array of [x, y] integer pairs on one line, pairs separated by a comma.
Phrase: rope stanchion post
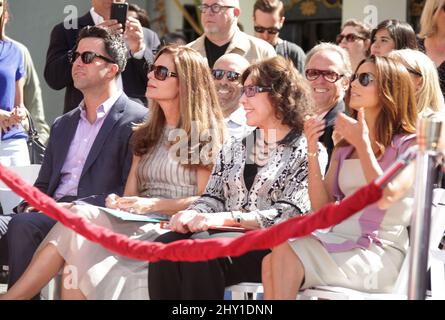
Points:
[[428, 138]]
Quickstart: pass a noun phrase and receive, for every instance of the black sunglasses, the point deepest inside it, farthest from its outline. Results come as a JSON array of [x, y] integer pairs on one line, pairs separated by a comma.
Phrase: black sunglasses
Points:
[[161, 73], [251, 91], [87, 57], [350, 37], [329, 76], [271, 30], [364, 78], [218, 74]]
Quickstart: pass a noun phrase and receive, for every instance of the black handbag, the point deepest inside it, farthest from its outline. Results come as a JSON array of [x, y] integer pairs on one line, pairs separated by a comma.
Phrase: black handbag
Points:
[[35, 147]]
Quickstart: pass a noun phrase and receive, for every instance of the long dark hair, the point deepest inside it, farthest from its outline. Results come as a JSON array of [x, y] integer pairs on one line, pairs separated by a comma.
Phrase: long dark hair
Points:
[[401, 32]]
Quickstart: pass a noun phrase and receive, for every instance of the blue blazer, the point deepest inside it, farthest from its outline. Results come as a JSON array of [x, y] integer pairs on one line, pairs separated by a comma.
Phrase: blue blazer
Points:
[[58, 69], [108, 163]]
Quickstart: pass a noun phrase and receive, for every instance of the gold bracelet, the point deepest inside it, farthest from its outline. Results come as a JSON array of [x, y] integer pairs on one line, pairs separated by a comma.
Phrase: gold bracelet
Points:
[[312, 154]]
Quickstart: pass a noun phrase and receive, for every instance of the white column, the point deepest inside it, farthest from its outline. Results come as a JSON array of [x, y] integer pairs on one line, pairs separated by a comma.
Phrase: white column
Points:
[[374, 11]]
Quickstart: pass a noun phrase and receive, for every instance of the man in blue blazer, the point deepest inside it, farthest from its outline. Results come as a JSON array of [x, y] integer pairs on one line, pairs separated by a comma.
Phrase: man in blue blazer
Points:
[[141, 42], [88, 155]]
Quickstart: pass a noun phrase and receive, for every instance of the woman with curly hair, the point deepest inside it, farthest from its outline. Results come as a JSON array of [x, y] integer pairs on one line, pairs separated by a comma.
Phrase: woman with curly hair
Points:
[[365, 251], [257, 181]]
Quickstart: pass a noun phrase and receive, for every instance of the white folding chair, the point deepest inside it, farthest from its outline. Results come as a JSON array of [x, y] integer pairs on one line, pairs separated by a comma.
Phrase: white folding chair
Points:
[[9, 199]]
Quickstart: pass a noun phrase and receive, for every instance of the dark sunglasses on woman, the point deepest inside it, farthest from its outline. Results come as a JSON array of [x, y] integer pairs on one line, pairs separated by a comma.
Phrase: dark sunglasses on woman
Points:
[[350, 37], [218, 74], [161, 73], [364, 78], [271, 30], [251, 91], [87, 57]]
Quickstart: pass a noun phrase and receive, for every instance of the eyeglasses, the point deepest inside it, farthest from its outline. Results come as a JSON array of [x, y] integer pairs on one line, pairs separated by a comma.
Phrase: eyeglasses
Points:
[[329, 76], [218, 74], [215, 8], [271, 30], [364, 78], [350, 37], [87, 57], [251, 91], [161, 73]]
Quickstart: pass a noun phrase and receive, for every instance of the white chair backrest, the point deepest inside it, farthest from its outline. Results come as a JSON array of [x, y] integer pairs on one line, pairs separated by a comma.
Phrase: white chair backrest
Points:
[[9, 199], [28, 173]]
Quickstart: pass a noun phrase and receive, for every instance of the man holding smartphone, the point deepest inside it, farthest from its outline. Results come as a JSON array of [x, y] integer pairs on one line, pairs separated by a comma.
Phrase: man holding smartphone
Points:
[[141, 43]]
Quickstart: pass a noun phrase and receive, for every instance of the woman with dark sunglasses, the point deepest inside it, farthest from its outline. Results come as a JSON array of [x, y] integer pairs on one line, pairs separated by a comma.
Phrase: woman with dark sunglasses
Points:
[[431, 39], [355, 38], [257, 182], [364, 252], [160, 182]]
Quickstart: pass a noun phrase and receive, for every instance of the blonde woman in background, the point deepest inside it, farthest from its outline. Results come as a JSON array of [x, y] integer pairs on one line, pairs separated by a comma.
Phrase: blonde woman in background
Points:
[[432, 35], [425, 78]]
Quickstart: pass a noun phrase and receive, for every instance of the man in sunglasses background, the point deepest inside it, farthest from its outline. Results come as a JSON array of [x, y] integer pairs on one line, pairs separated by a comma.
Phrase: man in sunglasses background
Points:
[[328, 70], [140, 41], [222, 35], [268, 18], [88, 154], [227, 72]]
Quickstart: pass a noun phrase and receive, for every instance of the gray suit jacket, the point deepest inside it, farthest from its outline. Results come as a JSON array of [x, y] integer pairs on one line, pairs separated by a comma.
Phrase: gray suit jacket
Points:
[[109, 160]]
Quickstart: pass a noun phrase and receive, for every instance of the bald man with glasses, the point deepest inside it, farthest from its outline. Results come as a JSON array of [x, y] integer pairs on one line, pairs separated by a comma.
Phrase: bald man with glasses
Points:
[[222, 35]]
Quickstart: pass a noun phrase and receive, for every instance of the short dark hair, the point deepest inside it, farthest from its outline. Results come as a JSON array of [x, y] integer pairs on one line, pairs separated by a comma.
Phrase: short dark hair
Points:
[[401, 32], [362, 28], [269, 6], [141, 14], [173, 38], [290, 96], [114, 44]]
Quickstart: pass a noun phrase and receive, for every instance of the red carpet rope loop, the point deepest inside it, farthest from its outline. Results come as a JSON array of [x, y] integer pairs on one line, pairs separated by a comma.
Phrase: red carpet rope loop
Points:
[[194, 250]]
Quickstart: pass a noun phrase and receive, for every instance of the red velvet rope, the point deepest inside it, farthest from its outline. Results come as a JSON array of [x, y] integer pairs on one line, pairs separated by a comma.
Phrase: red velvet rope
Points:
[[194, 250]]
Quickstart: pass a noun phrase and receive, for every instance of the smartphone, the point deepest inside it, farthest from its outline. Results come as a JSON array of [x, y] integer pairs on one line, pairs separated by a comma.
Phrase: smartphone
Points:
[[119, 13]]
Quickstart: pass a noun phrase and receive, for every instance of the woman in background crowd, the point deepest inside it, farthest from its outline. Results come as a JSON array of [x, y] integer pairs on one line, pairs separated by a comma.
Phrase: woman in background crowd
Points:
[[13, 147], [425, 79], [392, 35], [432, 35]]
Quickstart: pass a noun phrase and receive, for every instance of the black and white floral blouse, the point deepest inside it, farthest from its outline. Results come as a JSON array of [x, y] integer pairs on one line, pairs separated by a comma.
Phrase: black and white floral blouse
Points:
[[280, 187]]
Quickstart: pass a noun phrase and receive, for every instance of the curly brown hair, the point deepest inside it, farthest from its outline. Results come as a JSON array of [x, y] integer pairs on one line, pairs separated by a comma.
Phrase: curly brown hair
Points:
[[290, 95]]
